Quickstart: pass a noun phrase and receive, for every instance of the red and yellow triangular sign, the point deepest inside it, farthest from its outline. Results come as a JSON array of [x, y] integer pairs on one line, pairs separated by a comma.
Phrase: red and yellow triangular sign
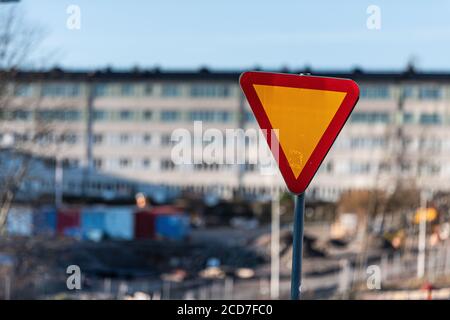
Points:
[[307, 113]]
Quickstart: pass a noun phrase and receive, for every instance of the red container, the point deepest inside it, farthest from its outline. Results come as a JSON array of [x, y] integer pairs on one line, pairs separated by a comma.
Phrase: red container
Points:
[[144, 223], [166, 210], [67, 221]]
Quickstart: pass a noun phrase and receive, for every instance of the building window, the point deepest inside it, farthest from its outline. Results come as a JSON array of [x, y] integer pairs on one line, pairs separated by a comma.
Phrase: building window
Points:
[[248, 167], [370, 117], [20, 137], [125, 115], [215, 167], [384, 167], [127, 89], [69, 138], [70, 163], [124, 163], [359, 167], [209, 116], [170, 90], [203, 115], [124, 138], [329, 167], [429, 93], [167, 165], [98, 163], [408, 117], [374, 92], [100, 89], [223, 116], [147, 115], [367, 142], [146, 163], [170, 116], [98, 138], [60, 90], [209, 91], [249, 117], [429, 169], [99, 115], [166, 140], [23, 90], [46, 138], [430, 119], [405, 167], [59, 115], [408, 92], [147, 138], [72, 115], [21, 115], [148, 89], [45, 115], [430, 144]]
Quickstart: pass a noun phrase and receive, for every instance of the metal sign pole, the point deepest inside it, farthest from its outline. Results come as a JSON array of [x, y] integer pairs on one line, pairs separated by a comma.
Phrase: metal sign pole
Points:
[[297, 248], [280, 102]]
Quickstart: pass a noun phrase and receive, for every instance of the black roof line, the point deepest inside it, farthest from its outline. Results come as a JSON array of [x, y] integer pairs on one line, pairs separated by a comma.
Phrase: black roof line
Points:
[[204, 73]]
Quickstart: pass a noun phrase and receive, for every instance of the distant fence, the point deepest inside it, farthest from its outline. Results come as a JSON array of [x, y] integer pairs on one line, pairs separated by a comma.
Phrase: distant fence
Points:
[[396, 268], [340, 282], [49, 287]]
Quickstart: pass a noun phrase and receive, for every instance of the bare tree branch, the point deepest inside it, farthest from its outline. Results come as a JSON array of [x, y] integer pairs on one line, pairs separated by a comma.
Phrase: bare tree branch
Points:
[[19, 43]]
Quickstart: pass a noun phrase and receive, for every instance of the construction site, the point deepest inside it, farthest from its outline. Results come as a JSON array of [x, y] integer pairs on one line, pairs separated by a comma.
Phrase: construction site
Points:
[[227, 256]]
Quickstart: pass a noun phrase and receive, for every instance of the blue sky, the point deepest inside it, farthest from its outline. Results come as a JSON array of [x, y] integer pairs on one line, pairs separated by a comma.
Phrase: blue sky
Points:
[[242, 34]]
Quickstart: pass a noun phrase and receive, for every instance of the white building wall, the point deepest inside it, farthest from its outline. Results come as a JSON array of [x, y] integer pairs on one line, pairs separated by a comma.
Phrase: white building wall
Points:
[[363, 156]]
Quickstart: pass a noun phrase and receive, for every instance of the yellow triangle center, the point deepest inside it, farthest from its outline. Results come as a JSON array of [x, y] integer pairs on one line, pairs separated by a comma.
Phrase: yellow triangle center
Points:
[[301, 117]]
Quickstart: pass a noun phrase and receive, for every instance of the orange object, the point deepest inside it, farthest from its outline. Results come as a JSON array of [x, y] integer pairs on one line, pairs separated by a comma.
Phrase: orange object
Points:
[[428, 287], [430, 214]]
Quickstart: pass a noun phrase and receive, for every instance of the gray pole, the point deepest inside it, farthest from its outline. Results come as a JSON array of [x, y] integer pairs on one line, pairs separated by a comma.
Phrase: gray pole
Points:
[[297, 248], [89, 137], [58, 182], [275, 247], [241, 125], [8, 287], [422, 243]]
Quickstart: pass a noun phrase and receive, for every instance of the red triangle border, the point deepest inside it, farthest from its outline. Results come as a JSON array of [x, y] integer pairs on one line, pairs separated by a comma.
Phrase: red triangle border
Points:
[[248, 79]]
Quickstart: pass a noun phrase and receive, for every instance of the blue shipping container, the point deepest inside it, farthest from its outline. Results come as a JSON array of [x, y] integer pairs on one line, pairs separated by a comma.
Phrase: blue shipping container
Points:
[[44, 221], [175, 227], [119, 223], [93, 223], [73, 232], [110, 222], [19, 221]]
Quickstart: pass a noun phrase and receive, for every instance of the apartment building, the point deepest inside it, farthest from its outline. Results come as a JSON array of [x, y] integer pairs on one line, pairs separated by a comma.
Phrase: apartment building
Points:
[[121, 124]]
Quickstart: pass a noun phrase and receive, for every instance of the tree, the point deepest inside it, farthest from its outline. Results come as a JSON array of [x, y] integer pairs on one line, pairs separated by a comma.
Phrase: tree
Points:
[[19, 44], [364, 203]]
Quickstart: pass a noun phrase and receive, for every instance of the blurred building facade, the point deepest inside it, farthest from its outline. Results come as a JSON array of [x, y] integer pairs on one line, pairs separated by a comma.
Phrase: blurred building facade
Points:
[[120, 124]]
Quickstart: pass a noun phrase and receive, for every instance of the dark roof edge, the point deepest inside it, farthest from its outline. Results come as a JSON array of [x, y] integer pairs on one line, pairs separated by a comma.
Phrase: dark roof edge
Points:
[[109, 74]]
